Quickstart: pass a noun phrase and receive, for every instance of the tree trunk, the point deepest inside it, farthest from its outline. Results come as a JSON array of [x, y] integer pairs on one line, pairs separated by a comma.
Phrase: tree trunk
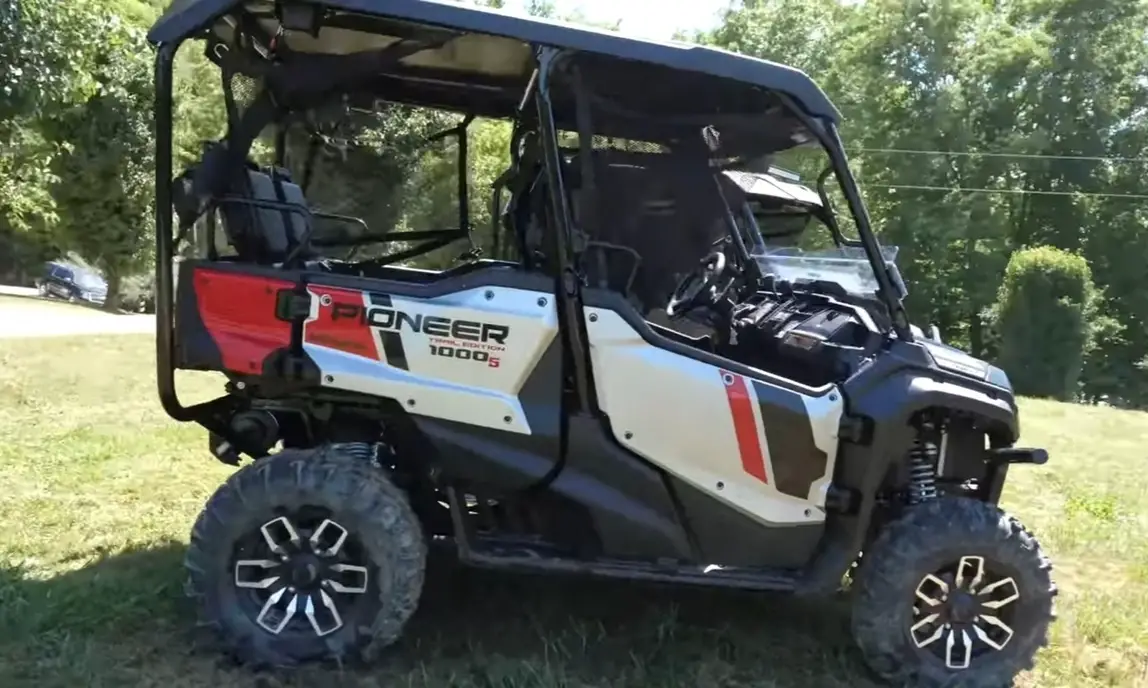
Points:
[[112, 301]]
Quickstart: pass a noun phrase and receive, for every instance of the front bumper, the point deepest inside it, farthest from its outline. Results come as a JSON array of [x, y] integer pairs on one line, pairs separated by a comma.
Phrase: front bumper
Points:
[[997, 469], [1008, 455]]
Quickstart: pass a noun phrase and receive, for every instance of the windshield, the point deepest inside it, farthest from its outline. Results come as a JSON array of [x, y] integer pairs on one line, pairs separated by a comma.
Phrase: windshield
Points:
[[845, 265], [88, 280]]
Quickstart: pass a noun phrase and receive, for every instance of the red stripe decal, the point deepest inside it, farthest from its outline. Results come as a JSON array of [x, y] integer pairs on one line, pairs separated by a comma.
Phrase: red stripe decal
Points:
[[744, 425]]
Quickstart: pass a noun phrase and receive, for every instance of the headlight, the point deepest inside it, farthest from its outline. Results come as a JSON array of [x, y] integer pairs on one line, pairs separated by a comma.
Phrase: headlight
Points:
[[958, 361]]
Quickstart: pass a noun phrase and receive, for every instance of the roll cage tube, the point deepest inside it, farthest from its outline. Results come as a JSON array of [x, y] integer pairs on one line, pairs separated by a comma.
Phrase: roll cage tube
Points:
[[165, 370], [568, 287], [829, 138], [213, 415], [825, 213]]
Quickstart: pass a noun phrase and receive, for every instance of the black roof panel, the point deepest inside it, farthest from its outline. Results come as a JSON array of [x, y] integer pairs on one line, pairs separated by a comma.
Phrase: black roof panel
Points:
[[185, 18]]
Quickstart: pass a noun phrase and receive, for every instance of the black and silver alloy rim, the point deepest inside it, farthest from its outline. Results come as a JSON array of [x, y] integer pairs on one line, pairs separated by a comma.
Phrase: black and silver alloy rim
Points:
[[305, 579], [963, 613]]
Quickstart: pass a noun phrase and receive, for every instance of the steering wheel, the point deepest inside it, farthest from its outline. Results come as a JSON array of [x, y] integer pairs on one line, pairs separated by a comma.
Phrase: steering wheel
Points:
[[700, 287]]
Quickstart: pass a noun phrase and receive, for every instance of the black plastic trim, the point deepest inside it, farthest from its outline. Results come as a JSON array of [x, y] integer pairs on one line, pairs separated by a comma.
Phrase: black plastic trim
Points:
[[728, 537], [630, 508], [897, 384], [735, 579], [1008, 455], [496, 459], [633, 512]]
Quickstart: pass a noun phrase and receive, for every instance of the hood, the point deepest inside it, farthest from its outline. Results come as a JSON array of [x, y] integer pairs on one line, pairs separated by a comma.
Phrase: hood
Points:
[[954, 360]]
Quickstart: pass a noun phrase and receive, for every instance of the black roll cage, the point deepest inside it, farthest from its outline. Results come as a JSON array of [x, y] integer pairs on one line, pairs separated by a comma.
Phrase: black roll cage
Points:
[[213, 414]]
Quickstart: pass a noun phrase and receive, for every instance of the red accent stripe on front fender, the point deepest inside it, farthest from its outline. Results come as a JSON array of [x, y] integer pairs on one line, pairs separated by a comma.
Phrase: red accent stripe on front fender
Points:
[[741, 403]]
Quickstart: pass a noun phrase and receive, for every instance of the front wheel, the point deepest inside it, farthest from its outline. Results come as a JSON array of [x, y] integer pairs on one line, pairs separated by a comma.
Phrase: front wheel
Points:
[[306, 555], [955, 593]]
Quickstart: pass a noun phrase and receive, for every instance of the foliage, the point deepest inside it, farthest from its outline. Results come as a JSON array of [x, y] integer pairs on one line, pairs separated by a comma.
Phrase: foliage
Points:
[[44, 47], [976, 130], [104, 187], [1012, 88], [1043, 316]]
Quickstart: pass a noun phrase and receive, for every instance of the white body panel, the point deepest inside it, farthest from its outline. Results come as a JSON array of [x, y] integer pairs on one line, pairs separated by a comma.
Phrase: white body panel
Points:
[[479, 392], [678, 413]]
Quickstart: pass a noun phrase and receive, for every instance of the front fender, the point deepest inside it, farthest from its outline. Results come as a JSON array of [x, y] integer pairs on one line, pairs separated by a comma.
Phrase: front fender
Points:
[[882, 400], [889, 395]]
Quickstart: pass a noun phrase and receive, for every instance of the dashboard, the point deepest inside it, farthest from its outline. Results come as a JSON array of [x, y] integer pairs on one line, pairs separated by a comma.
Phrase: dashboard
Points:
[[801, 334]]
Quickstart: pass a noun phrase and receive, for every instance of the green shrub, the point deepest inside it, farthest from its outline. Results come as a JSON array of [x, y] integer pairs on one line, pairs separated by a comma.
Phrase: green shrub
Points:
[[1043, 313]]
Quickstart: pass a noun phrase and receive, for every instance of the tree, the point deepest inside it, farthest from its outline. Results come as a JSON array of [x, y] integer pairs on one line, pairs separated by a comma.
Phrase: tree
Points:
[[44, 48], [104, 180], [1010, 88], [1044, 310]]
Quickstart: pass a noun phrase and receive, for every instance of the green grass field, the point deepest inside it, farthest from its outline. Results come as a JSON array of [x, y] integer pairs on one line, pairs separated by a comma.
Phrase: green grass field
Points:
[[98, 491]]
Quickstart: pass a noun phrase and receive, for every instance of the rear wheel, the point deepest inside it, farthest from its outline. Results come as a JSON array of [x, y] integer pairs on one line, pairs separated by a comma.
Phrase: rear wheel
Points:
[[955, 593], [306, 555]]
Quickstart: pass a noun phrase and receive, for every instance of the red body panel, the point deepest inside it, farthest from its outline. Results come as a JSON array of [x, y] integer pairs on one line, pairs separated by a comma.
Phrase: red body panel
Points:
[[238, 312], [347, 334]]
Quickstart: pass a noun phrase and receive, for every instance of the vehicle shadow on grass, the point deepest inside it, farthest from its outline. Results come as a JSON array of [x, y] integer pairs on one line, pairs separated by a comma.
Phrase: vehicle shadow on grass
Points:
[[122, 620]]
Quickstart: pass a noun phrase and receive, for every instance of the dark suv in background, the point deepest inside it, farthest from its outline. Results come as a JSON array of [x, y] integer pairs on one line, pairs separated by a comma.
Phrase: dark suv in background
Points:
[[72, 282]]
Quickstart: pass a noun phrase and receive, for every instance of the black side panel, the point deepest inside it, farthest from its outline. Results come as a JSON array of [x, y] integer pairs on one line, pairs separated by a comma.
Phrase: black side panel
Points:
[[797, 462], [495, 459], [729, 538], [498, 459], [628, 499], [541, 397]]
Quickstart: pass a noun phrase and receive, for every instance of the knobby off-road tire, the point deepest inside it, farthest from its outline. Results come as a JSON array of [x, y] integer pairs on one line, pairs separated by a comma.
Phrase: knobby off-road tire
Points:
[[926, 539], [362, 499]]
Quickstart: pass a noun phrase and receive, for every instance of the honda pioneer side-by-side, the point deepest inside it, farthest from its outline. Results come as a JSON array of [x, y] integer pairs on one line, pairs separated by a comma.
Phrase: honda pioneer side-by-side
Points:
[[653, 377]]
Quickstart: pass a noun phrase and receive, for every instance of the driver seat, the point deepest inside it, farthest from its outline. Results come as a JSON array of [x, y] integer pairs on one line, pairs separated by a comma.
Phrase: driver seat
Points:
[[658, 215]]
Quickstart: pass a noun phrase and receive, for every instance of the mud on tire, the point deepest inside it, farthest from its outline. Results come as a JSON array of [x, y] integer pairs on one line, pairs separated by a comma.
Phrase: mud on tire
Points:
[[360, 500], [904, 565]]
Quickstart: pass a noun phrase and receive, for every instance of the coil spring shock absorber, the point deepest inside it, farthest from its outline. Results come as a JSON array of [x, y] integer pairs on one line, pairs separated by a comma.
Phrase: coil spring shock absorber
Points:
[[923, 464], [360, 450]]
